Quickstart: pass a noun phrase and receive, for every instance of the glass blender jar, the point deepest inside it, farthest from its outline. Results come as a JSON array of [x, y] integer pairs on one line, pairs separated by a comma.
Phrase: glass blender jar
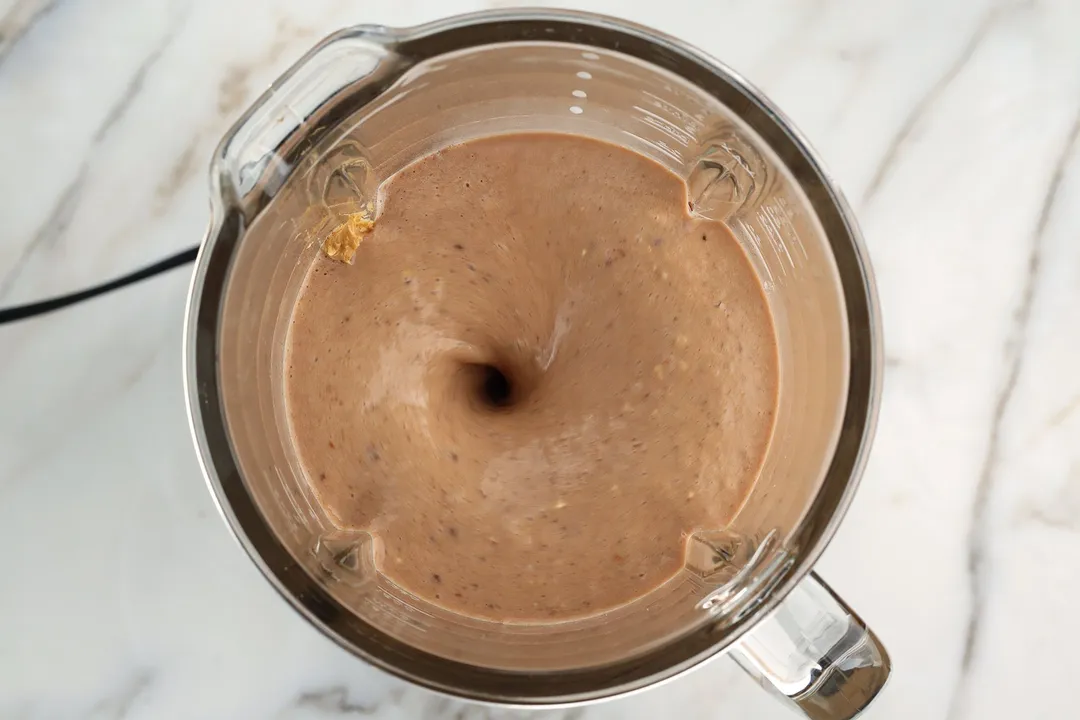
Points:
[[369, 100]]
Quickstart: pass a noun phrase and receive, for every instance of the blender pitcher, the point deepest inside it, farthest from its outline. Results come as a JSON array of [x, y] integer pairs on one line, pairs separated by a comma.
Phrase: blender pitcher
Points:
[[367, 101]]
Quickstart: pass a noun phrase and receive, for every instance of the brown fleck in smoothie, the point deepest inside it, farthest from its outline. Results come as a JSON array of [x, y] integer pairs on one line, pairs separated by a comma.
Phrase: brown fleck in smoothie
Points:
[[539, 376]]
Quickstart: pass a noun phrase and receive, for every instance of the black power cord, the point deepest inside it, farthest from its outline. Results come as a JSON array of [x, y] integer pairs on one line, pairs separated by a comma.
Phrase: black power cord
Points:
[[22, 312]]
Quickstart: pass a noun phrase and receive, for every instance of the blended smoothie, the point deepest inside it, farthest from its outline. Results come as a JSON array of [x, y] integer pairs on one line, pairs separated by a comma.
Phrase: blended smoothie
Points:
[[539, 375]]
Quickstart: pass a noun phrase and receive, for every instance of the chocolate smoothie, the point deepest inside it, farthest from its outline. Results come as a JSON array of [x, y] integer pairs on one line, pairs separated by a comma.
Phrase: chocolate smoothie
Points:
[[538, 377]]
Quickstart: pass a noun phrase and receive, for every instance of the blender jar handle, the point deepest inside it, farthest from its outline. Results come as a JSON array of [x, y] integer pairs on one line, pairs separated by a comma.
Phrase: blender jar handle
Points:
[[815, 653]]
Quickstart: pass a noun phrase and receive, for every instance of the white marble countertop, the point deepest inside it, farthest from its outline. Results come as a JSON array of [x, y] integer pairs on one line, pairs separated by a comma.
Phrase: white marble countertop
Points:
[[952, 125]]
